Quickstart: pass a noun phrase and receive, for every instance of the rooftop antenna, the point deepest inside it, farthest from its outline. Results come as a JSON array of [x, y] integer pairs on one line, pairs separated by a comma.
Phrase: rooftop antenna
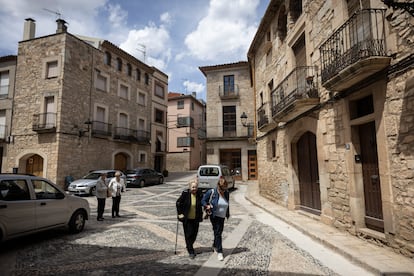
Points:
[[57, 13], [143, 50]]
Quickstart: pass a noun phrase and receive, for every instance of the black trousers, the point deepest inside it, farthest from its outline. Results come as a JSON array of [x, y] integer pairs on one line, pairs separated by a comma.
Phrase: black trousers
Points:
[[218, 226], [101, 207], [115, 205], [190, 233]]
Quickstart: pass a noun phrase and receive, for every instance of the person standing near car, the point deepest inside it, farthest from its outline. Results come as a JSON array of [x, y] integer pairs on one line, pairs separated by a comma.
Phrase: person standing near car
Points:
[[216, 202], [190, 213], [101, 194], [117, 186]]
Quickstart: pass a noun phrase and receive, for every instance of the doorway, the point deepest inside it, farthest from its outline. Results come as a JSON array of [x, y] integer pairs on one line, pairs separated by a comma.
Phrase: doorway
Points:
[[121, 162], [310, 195], [34, 165]]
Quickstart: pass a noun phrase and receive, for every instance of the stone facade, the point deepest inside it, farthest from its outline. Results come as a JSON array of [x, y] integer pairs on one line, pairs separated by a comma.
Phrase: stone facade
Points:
[[99, 111], [228, 142], [359, 132]]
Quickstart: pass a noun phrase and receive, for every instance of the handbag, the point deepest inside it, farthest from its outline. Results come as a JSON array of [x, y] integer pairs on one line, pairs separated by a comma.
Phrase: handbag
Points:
[[108, 192], [208, 212]]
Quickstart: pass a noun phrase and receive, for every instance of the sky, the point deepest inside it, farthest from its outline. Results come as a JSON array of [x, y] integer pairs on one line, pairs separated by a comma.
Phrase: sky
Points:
[[175, 36]]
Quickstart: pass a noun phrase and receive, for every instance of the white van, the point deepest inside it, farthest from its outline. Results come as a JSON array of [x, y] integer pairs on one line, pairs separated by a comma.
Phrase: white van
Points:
[[209, 175]]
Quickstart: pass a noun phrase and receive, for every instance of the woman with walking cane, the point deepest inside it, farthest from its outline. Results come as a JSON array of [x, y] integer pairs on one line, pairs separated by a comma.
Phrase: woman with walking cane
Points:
[[190, 214]]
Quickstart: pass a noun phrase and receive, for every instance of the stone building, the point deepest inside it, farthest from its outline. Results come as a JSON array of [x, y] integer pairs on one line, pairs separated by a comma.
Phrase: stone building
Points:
[[334, 88], [186, 132], [229, 139], [7, 73], [81, 105]]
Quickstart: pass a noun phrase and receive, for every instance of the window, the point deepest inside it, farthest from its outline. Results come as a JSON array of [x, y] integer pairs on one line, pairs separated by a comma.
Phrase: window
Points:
[[159, 90], [142, 158], [180, 104], [228, 83], [273, 148], [101, 81], [52, 69], [124, 91], [146, 78], [129, 69], [142, 98], [159, 116], [185, 142], [4, 84], [100, 124], [185, 122], [122, 124], [50, 112], [2, 124], [107, 58], [14, 190], [192, 105], [119, 64], [44, 190], [229, 121], [141, 124], [138, 75]]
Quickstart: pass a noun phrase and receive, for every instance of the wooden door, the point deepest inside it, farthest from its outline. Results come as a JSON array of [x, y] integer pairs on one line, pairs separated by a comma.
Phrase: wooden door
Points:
[[310, 196], [121, 162], [252, 166], [370, 173], [34, 165]]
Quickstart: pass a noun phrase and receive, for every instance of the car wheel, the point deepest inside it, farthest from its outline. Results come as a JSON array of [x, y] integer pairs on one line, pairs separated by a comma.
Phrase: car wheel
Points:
[[161, 180], [77, 222], [92, 191], [142, 183]]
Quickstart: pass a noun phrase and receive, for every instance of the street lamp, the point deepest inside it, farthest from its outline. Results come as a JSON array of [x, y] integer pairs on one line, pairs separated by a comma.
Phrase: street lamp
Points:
[[243, 119]]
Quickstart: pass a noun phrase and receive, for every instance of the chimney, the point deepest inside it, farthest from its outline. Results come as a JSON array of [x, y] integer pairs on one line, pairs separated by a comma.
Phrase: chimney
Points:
[[61, 27], [29, 29], [194, 94]]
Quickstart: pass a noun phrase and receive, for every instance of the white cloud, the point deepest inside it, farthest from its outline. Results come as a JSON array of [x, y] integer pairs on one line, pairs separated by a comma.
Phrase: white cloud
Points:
[[193, 86], [226, 32], [117, 16]]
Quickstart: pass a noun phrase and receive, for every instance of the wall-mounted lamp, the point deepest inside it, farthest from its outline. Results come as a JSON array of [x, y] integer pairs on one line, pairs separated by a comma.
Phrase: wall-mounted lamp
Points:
[[243, 119], [88, 124]]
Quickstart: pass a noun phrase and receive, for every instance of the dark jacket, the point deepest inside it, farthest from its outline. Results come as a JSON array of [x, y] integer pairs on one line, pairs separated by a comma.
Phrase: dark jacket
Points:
[[184, 202], [214, 200]]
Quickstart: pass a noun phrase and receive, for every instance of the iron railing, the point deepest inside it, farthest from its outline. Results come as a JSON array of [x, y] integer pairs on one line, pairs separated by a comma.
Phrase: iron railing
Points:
[[44, 121], [263, 115], [101, 128], [301, 83], [229, 92], [360, 37]]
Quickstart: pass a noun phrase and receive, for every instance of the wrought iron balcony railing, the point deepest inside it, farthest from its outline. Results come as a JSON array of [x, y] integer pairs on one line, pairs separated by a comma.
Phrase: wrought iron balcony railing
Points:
[[44, 122], [132, 135], [101, 129], [229, 92], [300, 85], [361, 37], [186, 121], [263, 115]]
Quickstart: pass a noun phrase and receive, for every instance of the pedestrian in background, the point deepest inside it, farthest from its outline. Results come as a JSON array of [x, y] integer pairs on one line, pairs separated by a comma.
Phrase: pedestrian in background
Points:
[[101, 194], [216, 202], [117, 186], [190, 213]]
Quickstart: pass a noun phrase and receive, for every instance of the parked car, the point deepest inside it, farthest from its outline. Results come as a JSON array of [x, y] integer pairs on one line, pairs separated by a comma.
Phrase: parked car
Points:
[[141, 177], [209, 175], [30, 204], [87, 184]]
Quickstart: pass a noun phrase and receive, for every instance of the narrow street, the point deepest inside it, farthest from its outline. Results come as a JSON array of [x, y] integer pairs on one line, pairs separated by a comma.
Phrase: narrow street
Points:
[[142, 242]]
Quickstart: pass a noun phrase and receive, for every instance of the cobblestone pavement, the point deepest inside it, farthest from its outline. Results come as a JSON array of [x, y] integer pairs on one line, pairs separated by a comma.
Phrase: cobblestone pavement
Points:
[[142, 242]]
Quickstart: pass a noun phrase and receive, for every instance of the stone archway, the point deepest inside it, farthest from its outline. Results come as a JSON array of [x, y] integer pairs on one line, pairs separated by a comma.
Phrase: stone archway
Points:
[[34, 165]]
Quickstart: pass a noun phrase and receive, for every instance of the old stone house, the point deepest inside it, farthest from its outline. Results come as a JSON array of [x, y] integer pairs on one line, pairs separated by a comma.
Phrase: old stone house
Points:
[[186, 132], [230, 117], [81, 105], [334, 88]]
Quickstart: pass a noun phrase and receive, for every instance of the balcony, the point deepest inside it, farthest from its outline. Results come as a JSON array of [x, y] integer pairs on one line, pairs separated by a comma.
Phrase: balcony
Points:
[[230, 92], [355, 51], [101, 129], [185, 122], [264, 119], [44, 122], [142, 136], [296, 94], [131, 135]]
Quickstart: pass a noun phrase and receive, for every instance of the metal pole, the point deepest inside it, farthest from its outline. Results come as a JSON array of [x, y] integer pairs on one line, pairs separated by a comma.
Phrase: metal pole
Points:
[[176, 238]]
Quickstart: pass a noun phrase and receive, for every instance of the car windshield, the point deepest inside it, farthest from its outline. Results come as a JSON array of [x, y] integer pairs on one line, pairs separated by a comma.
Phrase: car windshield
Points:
[[209, 172], [93, 175]]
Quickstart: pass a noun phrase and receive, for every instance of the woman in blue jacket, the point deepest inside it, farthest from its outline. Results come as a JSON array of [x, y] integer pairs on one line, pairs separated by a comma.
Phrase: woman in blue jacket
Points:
[[216, 201]]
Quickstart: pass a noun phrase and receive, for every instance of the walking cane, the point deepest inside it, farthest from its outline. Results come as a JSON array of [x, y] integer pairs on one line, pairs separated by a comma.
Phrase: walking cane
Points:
[[176, 237]]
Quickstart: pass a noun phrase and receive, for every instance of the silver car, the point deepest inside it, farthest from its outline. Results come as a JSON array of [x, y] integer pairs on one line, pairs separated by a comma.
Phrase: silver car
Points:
[[30, 204], [87, 184], [209, 175]]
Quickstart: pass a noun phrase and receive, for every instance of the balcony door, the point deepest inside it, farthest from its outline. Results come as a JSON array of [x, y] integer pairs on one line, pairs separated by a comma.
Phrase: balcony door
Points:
[[50, 110]]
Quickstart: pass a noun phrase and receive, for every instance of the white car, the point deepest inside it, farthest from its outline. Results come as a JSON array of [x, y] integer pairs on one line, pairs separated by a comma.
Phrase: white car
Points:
[[87, 184], [30, 204], [209, 175]]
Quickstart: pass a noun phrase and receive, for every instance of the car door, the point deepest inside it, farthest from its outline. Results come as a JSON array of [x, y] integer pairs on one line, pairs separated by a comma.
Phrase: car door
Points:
[[51, 207], [153, 176], [17, 209]]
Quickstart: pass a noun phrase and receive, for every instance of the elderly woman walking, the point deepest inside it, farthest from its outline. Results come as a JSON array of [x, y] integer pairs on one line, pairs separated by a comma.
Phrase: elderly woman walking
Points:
[[101, 194]]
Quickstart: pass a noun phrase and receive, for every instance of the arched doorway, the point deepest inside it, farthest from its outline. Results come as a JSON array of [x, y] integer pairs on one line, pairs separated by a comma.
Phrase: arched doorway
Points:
[[34, 165], [310, 195], [121, 161]]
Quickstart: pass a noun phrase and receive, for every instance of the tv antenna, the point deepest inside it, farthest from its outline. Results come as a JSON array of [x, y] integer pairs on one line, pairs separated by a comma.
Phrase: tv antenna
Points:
[[57, 13], [143, 50]]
